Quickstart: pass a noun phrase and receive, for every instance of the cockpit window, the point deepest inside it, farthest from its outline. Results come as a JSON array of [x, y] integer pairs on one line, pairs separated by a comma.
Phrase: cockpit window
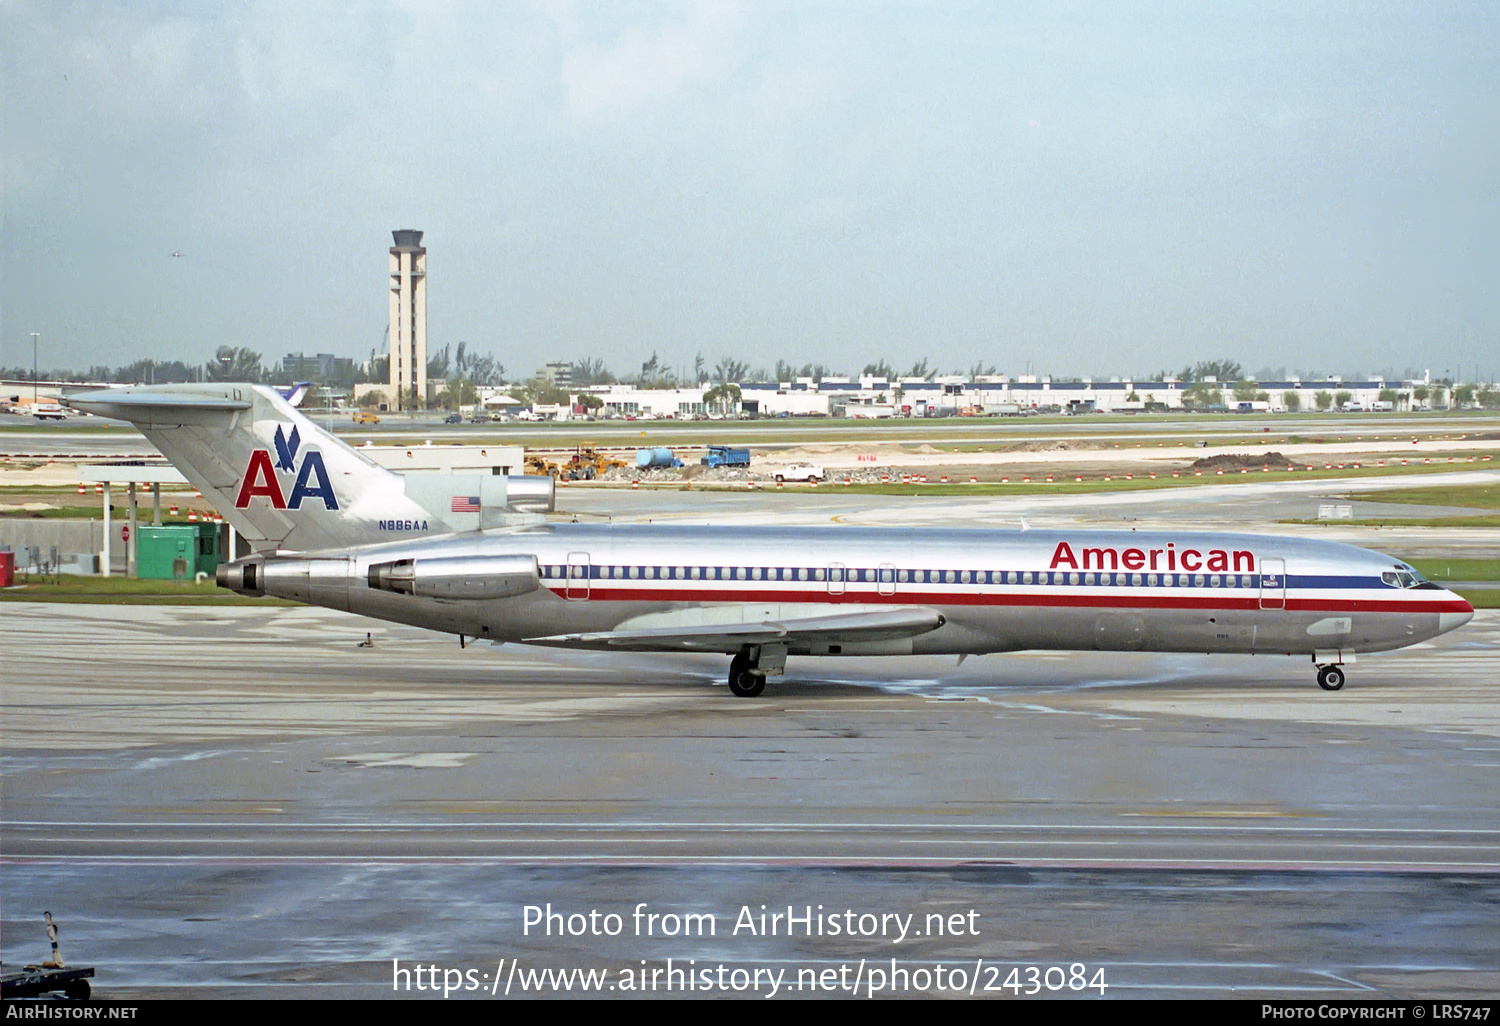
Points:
[[1403, 577]]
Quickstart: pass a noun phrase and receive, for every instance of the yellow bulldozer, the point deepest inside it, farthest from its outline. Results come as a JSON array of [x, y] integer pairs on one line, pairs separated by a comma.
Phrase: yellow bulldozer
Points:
[[584, 464]]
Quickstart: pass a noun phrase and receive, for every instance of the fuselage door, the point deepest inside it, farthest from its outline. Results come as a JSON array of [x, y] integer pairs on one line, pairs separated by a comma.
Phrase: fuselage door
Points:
[[578, 576], [1273, 584], [835, 578], [886, 579]]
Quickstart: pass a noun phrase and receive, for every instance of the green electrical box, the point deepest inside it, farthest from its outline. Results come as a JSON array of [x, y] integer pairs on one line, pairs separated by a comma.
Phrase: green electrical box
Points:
[[177, 551]]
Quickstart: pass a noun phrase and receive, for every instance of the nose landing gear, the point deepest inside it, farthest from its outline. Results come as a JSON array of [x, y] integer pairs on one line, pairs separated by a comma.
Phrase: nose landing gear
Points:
[[1330, 678]]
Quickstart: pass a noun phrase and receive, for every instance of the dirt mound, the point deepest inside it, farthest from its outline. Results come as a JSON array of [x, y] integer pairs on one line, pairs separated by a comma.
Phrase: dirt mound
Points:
[[1059, 445], [1236, 461]]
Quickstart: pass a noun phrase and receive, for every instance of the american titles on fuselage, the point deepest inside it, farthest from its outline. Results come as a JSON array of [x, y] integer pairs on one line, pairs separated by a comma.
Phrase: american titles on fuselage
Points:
[[1169, 558]]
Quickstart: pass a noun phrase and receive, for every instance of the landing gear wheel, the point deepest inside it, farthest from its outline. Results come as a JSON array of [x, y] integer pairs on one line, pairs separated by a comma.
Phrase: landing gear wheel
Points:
[[748, 685], [1330, 678], [744, 682]]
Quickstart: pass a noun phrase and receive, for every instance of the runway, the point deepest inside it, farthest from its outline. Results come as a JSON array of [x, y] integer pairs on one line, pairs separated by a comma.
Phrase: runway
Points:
[[241, 801]]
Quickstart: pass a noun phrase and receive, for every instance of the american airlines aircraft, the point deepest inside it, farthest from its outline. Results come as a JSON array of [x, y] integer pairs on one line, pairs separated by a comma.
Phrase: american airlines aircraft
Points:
[[474, 555]]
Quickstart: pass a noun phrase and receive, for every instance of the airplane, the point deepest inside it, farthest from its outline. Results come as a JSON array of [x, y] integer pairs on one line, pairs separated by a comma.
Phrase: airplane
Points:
[[475, 555]]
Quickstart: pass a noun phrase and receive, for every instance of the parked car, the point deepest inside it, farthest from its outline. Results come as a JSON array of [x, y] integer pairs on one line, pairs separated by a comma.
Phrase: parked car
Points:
[[365, 417], [454, 418]]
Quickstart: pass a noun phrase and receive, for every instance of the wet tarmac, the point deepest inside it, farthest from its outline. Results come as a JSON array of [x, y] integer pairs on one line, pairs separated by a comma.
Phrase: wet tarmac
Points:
[[241, 802]]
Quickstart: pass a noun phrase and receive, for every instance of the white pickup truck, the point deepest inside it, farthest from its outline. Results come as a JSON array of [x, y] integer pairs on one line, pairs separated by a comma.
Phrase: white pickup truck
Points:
[[800, 472]]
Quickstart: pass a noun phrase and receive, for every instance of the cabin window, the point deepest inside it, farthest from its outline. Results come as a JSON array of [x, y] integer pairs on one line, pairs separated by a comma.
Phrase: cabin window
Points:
[[901, 575], [693, 573], [818, 574]]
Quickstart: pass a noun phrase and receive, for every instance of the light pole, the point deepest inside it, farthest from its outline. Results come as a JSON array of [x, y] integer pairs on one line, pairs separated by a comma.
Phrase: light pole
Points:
[[34, 336]]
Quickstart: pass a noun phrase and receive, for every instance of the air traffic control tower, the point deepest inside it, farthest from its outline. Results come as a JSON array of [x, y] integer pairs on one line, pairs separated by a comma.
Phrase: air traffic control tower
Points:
[[408, 320]]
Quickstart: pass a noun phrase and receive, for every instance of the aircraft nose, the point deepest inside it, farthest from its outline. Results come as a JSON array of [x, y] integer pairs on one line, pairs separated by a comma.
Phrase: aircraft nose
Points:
[[1453, 620]]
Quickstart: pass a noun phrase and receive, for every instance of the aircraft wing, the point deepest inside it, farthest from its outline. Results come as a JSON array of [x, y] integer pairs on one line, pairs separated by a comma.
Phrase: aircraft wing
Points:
[[880, 625]]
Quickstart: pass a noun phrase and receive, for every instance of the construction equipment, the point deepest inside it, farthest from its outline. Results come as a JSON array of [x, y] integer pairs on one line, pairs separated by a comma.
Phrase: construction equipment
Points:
[[726, 456], [540, 466], [584, 464], [587, 464]]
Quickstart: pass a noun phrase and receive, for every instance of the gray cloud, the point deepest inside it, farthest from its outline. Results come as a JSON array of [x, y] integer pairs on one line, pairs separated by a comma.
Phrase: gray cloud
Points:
[[1086, 188]]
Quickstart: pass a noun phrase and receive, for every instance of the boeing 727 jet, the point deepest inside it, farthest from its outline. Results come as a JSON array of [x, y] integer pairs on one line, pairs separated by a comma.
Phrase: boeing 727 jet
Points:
[[474, 555]]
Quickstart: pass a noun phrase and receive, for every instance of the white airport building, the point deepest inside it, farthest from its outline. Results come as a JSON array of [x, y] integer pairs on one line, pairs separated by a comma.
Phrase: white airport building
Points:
[[957, 394]]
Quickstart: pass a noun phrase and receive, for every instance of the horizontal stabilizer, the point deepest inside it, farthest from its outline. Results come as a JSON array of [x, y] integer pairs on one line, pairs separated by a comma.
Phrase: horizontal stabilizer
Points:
[[123, 405]]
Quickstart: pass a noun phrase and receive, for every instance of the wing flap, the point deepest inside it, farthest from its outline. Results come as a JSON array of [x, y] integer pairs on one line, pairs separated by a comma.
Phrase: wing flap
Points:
[[879, 625]]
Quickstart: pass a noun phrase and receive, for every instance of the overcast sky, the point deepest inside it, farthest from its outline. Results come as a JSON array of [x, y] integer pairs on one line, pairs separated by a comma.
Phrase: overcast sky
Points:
[[1103, 188]]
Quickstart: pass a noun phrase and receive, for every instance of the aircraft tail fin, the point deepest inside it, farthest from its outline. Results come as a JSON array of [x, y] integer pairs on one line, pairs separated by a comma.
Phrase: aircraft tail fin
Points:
[[297, 393], [286, 484], [281, 480]]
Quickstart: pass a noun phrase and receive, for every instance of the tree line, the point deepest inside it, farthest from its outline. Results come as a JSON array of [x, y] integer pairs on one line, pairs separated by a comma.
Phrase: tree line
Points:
[[463, 371]]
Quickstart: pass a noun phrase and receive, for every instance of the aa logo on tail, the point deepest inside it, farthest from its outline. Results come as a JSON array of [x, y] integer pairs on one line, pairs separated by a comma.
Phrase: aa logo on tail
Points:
[[261, 478]]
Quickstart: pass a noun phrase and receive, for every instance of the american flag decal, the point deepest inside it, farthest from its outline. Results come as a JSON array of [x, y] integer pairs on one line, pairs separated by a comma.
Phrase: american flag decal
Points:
[[466, 504]]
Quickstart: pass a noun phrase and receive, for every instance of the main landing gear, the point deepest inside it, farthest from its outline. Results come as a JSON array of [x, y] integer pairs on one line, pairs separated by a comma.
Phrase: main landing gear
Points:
[[745, 678], [1331, 678]]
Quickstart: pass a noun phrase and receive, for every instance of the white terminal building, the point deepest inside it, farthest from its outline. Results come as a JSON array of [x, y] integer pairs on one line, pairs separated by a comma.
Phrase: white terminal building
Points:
[[960, 394]]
